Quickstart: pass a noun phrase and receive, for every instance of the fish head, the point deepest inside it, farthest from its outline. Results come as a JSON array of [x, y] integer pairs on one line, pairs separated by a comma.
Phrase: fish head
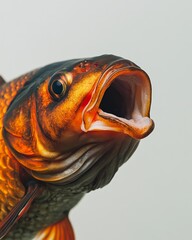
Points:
[[79, 120]]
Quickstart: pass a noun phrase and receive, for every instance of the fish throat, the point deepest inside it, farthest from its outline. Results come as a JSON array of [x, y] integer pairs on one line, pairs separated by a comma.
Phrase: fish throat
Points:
[[118, 99]]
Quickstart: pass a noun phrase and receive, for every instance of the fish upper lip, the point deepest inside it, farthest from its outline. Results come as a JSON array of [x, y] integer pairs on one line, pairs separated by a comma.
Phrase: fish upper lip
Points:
[[138, 124]]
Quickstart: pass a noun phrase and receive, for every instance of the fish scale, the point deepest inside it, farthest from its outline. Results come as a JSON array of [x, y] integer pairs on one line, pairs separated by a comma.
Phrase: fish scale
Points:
[[52, 206], [11, 189]]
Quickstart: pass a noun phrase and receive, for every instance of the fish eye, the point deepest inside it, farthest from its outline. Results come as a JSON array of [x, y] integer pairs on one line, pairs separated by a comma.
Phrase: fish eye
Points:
[[58, 87]]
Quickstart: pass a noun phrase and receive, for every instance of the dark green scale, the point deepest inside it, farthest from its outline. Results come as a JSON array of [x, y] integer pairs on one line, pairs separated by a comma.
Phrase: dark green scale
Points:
[[51, 207]]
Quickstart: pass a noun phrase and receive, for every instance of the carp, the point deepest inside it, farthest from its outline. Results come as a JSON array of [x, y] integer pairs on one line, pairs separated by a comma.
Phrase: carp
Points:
[[65, 129]]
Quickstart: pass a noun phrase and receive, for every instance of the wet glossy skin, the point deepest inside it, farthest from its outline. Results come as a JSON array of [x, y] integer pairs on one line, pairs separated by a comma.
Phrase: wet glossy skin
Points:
[[63, 129], [11, 189]]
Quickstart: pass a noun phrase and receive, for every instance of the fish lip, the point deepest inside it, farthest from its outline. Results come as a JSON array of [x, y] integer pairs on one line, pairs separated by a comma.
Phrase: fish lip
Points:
[[139, 125]]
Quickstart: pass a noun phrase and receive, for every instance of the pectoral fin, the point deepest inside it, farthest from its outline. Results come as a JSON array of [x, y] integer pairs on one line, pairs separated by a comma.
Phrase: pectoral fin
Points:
[[20, 209], [60, 230]]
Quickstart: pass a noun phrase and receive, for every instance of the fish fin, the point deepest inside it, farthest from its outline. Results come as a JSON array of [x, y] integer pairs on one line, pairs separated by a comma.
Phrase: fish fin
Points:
[[2, 80], [33, 190], [60, 230]]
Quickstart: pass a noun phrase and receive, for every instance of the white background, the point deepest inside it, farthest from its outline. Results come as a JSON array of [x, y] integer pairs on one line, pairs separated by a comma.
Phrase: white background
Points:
[[150, 197]]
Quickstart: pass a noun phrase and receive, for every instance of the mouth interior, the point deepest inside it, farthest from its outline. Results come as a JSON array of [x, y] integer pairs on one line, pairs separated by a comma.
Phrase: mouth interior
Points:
[[119, 98]]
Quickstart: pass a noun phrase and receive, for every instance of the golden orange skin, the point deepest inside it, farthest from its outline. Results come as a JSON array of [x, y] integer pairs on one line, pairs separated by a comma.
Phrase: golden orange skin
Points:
[[11, 188]]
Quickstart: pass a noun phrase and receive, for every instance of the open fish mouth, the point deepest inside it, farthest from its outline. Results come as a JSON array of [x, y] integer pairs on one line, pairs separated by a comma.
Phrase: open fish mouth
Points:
[[120, 102]]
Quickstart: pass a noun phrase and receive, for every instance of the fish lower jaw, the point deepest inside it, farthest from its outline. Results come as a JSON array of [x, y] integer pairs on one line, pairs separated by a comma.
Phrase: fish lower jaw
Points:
[[137, 127]]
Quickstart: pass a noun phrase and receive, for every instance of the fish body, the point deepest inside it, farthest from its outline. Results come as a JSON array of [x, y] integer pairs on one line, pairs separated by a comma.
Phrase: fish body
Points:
[[65, 129]]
